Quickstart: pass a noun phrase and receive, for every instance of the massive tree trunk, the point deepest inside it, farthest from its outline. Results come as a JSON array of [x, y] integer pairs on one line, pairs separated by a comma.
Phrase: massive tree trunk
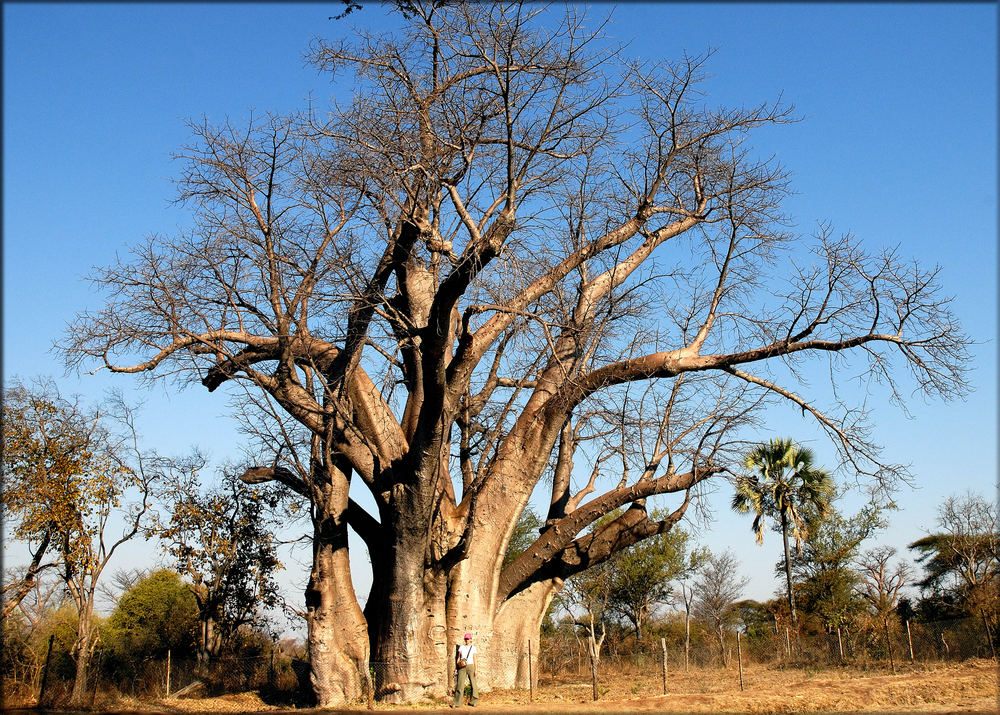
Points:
[[518, 623], [338, 635], [405, 608], [209, 639], [209, 642]]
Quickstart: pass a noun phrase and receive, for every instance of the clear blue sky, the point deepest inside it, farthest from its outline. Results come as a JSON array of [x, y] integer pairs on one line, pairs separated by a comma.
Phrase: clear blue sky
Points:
[[898, 146]]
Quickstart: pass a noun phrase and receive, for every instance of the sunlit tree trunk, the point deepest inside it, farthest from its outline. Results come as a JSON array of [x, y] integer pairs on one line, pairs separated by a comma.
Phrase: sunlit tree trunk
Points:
[[517, 624], [337, 632], [83, 649]]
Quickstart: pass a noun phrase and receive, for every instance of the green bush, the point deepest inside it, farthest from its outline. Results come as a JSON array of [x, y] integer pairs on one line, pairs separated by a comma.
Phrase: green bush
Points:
[[156, 615]]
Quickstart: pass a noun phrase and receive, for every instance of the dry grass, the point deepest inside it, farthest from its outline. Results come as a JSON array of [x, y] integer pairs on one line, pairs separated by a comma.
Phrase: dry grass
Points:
[[967, 687]]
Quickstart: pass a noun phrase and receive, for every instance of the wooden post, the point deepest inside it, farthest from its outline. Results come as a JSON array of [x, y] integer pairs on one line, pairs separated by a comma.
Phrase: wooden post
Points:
[[593, 668], [989, 635], [45, 671], [739, 658], [909, 639], [168, 673], [370, 687], [687, 645], [788, 643], [663, 647], [531, 676], [888, 644], [840, 644]]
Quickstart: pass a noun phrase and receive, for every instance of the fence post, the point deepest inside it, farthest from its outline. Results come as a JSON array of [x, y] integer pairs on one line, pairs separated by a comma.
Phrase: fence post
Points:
[[989, 636], [739, 658], [788, 644], [369, 685], [531, 676], [687, 645], [909, 639], [840, 644], [45, 670], [663, 647], [593, 668], [168, 673], [888, 644]]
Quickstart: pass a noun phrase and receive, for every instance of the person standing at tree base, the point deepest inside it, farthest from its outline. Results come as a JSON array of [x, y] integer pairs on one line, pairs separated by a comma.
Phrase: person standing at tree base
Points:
[[465, 667]]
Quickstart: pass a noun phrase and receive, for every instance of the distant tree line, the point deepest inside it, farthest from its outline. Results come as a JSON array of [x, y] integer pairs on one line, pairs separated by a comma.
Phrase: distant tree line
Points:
[[838, 583], [77, 487]]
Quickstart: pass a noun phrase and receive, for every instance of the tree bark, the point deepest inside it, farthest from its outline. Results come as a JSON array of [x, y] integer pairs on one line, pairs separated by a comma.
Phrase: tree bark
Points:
[[337, 632], [788, 569], [517, 624], [209, 639], [406, 617], [82, 650]]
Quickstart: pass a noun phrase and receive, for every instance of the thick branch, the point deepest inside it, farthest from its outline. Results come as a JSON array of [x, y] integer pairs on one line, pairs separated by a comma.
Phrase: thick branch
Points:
[[551, 544]]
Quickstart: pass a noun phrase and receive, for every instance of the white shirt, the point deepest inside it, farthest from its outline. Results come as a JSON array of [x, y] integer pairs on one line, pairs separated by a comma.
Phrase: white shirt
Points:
[[468, 653]]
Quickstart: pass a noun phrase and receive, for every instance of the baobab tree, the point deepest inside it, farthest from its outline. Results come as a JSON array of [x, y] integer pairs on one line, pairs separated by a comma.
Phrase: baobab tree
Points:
[[514, 251]]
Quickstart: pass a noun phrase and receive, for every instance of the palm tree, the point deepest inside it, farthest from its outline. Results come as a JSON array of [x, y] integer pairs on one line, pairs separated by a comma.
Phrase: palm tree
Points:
[[785, 485]]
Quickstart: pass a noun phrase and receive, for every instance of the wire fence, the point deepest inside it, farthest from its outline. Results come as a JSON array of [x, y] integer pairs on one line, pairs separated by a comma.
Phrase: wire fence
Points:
[[278, 678], [886, 645], [563, 657]]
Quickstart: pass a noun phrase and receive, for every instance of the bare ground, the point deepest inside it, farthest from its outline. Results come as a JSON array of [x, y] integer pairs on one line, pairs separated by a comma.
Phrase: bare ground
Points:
[[967, 687]]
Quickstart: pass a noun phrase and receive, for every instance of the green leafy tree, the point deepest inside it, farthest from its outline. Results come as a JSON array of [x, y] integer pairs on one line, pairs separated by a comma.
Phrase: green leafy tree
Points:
[[157, 615], [782, 484], [826, 579], [524, 535], [642, 574], [755, 618], [62, 623], [222, 539]]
